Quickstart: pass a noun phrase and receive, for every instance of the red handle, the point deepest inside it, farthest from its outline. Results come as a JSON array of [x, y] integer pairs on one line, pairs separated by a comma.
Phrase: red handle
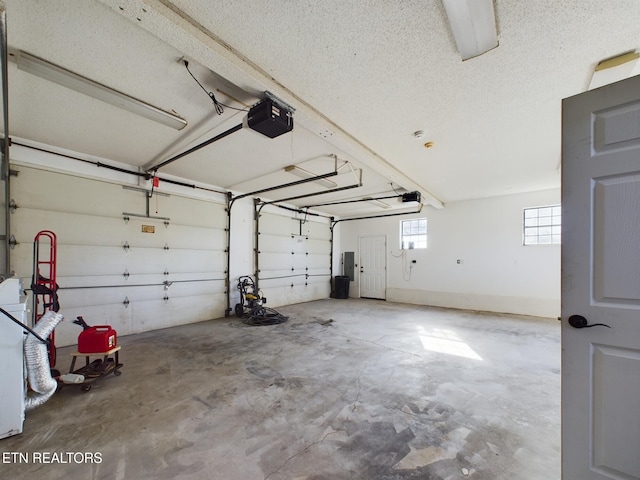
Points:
[[102, 327]]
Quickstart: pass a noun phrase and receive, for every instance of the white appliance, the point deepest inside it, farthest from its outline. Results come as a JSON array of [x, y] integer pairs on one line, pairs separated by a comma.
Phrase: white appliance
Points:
[[12, 367]]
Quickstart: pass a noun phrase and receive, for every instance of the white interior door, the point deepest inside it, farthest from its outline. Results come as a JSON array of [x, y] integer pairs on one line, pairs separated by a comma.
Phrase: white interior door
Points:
[[373, 267], [601, 283]]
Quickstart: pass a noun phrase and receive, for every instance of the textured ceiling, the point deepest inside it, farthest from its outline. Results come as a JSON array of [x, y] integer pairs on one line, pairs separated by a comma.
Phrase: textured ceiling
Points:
[[362, 75]]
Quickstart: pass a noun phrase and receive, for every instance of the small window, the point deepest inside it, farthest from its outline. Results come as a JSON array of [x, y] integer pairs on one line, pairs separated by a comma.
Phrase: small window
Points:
[[413, 233], [542, 225]]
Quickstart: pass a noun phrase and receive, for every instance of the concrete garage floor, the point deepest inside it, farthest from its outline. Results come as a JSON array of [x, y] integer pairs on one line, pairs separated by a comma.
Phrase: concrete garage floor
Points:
[[383, 391]]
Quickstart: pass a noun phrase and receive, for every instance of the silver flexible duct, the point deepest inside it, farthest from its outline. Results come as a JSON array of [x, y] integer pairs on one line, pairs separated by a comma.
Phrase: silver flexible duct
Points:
[[37, 358]]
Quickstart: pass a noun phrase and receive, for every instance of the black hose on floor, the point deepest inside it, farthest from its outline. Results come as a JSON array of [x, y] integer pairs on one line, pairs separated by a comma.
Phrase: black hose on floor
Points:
[[262, 316]]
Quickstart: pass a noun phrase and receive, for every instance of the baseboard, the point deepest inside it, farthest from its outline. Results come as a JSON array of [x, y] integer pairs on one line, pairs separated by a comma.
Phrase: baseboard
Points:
[[537, 307]]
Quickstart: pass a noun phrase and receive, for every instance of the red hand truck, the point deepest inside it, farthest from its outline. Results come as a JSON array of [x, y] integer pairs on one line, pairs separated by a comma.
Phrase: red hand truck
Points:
[[43, 282]]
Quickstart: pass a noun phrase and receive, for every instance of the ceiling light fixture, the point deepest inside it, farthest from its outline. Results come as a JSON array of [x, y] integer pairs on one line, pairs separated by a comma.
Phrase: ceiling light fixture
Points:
[[615, 69], [43, 69], [376, 202], [473, 23], [302, 173]]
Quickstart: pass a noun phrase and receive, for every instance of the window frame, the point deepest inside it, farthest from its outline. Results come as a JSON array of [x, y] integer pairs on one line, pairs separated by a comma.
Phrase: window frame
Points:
[[552, 221], [419, 243]]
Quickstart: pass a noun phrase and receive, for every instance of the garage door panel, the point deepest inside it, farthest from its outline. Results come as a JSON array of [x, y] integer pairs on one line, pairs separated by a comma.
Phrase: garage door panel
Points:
[[86, 262], [318, 231], [70, 228], [271, 274], [317, 247], [275, 243], [72, 295], [148, 260], [204, 262], [198, 238], [184, 211], [154, 314], [92, 260], [89, 259], [216, 279], [145, 233], [275, 272], [276, 261], [210, 276], [189, 288], [294, 259], [59, 192], [318, 261], [160, 266], [287, 295], [99, 281], [78, 259], [271, 224], [271, 283], [319, 278], [83, 297]]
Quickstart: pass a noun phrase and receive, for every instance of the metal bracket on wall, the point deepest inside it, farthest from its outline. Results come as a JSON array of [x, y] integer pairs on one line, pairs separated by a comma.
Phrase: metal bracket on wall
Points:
[[13, 206], [13, 242], [126, 246], [126, 274], [129, 214], [126, 302], [147, 196]]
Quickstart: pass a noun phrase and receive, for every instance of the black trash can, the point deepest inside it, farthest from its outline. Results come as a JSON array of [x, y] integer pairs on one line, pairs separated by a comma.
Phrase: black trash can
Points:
[[341, 286]]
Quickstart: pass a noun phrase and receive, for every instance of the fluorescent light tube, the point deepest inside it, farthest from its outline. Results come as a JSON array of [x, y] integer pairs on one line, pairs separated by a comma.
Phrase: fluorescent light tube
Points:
[[473, 23], [615, 69], [66, 78], [302, 173], [376, 202]]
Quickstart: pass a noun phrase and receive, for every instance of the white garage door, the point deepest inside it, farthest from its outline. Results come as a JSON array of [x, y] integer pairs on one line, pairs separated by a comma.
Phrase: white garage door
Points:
[[134, 273], [294, 258]]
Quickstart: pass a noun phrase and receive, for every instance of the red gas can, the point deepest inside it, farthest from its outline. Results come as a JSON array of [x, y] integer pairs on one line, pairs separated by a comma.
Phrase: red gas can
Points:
[[98, 339]]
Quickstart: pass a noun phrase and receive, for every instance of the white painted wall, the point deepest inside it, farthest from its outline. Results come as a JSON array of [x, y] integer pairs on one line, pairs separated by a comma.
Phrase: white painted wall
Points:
[[497, 273], [242, 243]]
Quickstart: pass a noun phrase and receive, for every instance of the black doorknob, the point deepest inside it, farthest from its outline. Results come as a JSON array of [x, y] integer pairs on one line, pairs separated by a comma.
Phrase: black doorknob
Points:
[[578, 321]]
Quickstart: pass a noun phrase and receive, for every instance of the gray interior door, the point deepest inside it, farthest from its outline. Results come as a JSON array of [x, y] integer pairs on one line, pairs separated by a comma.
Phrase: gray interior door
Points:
[[601, 284]]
